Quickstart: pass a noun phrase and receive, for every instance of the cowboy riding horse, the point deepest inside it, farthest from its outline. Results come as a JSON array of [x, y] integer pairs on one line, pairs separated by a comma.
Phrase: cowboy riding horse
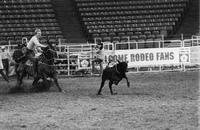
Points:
[[41, 67]]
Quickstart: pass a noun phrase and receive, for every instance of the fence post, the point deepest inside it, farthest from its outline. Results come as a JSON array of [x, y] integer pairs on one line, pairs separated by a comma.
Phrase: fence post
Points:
[[68, 62], [137, 69], [9, 45], [59, 44], [163, 40], [136, 45], [182, 43], [181, 36], [92, 56], [160, 68], [159, 45], [128, 42], [183, 67], [95, 40]]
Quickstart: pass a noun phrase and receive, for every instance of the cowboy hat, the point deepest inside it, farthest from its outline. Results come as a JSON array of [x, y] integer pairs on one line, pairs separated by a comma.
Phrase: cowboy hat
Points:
[[3, 47]]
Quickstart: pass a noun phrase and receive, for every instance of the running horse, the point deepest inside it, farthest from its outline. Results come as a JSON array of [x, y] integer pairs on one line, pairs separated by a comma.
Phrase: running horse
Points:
[[44, 66]]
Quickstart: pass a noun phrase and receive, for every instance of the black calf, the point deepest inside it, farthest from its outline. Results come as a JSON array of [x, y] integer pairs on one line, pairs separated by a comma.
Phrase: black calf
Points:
[[114, 75]]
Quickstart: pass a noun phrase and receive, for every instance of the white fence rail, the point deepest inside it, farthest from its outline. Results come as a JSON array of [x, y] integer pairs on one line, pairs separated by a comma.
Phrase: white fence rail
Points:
[[76, 60]]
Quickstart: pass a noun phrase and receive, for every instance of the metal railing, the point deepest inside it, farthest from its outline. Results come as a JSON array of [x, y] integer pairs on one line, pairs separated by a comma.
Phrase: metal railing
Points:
[[68, 61]]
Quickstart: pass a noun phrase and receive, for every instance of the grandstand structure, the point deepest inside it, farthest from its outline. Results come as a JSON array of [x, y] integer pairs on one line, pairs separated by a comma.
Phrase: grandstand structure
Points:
[[19, 18], [81, 21], [134, 20]]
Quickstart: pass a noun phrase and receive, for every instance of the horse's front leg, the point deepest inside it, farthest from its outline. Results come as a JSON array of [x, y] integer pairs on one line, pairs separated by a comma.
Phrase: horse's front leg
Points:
[[36, 79], [20, 78], [18, 75], [34, 84]]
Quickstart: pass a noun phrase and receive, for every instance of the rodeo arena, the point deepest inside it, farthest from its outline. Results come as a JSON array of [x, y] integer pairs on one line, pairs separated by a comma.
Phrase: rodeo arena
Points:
[[99, 64]]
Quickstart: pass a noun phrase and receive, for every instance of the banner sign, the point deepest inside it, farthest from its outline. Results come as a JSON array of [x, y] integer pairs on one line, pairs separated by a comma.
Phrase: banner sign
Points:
[[195, 55], [148, 57]]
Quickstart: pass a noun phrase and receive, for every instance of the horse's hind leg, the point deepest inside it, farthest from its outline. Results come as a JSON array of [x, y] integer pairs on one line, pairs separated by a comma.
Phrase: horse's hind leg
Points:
[[58, 86], [100, 89], [36, 79]]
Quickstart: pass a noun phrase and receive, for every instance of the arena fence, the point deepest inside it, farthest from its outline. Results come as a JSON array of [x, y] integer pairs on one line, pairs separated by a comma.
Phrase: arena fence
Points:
[[163, 55], [175, 55]]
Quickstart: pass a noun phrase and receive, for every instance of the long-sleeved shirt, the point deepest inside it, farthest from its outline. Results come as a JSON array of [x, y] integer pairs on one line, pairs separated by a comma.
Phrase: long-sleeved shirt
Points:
[[34, 43], [5, 55], [100, 54], [1, 64]]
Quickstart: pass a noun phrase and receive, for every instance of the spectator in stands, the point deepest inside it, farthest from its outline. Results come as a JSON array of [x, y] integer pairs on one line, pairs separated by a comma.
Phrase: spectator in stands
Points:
[[2, 68], [99, 57], [6, 57]]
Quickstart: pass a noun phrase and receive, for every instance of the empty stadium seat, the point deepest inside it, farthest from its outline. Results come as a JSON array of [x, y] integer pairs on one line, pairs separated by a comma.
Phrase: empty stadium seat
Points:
[[128, 18], [107, 39], [20, 18]]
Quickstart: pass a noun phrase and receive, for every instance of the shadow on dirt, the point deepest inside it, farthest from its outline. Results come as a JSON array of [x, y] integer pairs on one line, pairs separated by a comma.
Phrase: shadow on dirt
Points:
[[41, 87]]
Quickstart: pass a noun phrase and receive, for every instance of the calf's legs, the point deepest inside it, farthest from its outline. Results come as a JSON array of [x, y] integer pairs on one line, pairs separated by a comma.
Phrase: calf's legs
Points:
[[110, 86], [102, 84]]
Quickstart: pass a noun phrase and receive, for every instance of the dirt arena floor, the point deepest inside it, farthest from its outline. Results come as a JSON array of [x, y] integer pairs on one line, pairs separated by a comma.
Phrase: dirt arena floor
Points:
[[155, 101]]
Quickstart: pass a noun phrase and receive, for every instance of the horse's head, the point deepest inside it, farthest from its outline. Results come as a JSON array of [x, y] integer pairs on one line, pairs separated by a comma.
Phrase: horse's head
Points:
[[49, 54], [17, 54]]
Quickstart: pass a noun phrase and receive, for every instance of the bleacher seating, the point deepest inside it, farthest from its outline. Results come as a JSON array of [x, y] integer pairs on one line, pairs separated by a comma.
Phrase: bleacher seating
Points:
[[136, 19], [19, 18]]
